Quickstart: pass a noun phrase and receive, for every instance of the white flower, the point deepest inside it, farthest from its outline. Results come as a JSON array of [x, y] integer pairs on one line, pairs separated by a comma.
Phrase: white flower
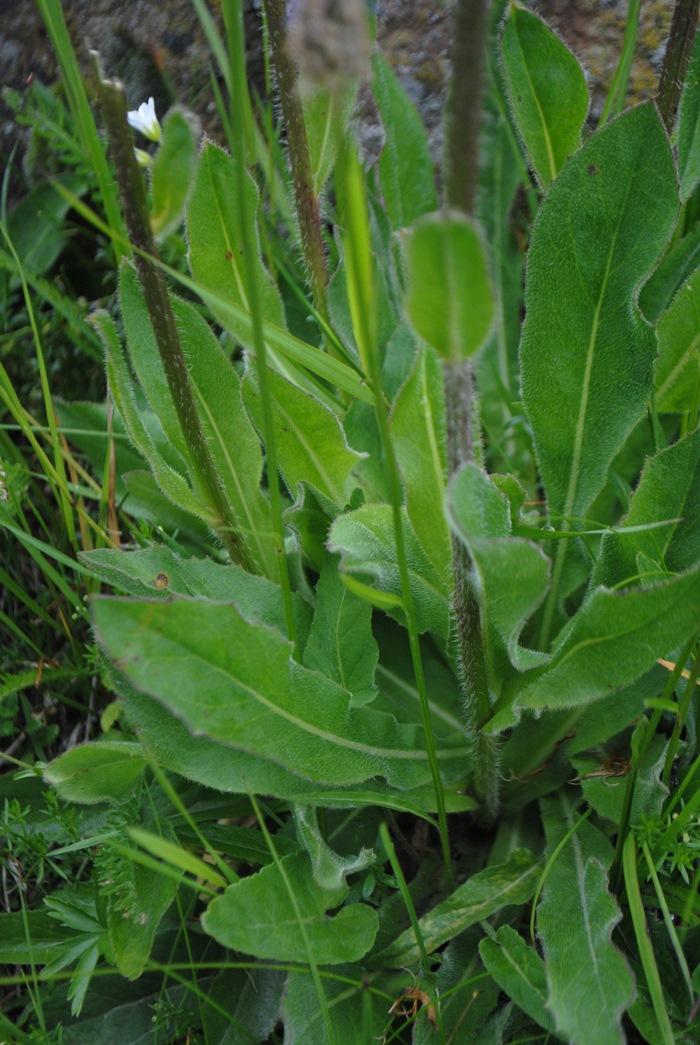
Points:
[[145, 121]]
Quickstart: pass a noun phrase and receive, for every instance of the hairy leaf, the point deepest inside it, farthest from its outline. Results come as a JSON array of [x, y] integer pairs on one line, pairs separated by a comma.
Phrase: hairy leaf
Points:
[[257, 915], [479, 897], [235, 683], [419, 432], [449, 298], [103, 771], [586, 354], [678, 367], [589, 982], [519, 971], [405, 168], [668, 489], [365, 541], [310, 441], [214, 231], [547, 91], [341, 645]]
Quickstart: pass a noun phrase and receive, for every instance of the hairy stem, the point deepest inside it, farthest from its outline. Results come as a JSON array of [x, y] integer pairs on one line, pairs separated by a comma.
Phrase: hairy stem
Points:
[[678, 50], [461, 176], [306, 199], [234, 17], [135, 208]]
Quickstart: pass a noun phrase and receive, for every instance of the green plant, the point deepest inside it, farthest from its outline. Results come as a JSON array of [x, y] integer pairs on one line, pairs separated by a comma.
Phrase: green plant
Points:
[[405, 674]]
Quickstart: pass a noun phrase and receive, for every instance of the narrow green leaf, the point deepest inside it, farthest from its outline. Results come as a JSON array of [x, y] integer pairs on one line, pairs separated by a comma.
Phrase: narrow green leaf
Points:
[[449, 298], [176, 856], [102, 771], [172, 171], [547, 91], [170, 479], [481, 895], [341, 645], [419, 430], [365, 541], [213, 228], [256, 916], [406, 172], [689, 125], [145, 358], [590, 984], [677, 377], [325, 117], [310, 441], [519, 971], [676, 267], [669, 488], [236, 683], [583, 340]]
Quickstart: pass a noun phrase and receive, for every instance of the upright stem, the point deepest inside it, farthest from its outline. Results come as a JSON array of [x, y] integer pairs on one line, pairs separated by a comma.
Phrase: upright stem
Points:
[[678, 50], [155, 290], [234, 19], [300, 162], [461, 177]]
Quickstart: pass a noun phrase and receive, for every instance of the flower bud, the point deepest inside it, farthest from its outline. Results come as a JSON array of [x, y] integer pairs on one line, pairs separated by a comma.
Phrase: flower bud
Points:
[[329, 39]]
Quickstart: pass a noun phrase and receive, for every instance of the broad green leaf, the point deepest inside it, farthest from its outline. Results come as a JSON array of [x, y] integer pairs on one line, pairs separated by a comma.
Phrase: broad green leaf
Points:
[[214, 232], [348, 998], [606, 794], [600, 229], [449, 297], [341, 645], [419, 433], [614, 638], [479, 897], [131, 933], [224, 768], [160, 573], [668, 489], [519, 971], [102, 771], [547, 91], [244, 1005], [172, 171], [513, 574], [235, 683], [689, 125], [365, 540], [575, 920], [257, 916], [330, 869], [311, 444], [677, 377], [406, 172]]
